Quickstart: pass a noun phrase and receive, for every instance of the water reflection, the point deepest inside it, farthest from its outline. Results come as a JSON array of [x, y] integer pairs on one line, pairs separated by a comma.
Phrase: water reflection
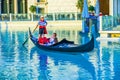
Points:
[[14, 59], [38, 65], [29, 62], [108, 60], [51, 63]]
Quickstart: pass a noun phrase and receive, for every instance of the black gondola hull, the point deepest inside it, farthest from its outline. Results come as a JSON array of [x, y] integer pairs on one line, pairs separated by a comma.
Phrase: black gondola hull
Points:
[[57, 47]]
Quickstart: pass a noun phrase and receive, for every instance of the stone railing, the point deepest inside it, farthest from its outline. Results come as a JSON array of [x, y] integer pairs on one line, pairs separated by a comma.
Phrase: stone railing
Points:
[[35, 17], [109, 23]]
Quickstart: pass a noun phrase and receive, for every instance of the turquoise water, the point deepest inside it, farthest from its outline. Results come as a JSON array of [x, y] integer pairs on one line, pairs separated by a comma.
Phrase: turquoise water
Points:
[[30, 63]]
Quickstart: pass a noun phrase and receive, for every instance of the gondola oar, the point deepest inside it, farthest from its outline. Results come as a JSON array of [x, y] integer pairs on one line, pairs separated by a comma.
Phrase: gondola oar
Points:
[[29, 36]]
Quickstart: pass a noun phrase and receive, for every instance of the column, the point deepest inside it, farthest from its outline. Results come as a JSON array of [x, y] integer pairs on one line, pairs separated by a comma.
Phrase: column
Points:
[[115, 8], [46, 6], [118, 7], [8, 6], [23, 6], [53, 16], [37, 8], [0, 7], [111, 7], [15, 6], [76, 16], [100, 29]]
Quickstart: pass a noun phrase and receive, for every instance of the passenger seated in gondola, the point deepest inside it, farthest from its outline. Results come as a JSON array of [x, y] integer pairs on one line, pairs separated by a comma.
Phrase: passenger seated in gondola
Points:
[[48, 41], [53, 39]]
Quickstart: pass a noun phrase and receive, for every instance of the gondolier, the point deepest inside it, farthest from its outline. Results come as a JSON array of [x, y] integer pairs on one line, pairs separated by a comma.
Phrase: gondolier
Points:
[[42, 26], [42, 29]]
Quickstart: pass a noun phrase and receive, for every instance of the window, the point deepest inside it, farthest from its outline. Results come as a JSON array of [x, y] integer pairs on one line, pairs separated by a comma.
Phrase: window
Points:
[[38, 0], [11, 6], [4, 6]]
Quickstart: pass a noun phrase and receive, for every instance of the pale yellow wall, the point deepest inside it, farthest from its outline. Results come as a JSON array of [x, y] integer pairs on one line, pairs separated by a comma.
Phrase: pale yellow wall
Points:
[[55, 6], [62, 6]]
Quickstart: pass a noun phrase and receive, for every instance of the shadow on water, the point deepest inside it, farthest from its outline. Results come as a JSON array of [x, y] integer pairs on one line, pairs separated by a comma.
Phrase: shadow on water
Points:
[[78, 60]]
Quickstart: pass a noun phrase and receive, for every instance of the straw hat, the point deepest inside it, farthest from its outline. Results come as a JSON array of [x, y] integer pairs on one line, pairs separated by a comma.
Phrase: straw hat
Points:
[[41, 16]]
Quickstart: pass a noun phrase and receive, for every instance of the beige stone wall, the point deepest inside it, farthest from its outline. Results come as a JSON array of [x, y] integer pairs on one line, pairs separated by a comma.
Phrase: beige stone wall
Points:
[[62, 6], [54, 6]]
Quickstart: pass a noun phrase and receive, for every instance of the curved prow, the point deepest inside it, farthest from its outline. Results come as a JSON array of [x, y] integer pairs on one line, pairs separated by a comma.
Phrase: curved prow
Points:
[[30, 32], [34, 39]]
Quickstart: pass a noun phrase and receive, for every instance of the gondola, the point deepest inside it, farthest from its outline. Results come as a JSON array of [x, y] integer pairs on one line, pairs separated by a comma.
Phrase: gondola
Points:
[[64, 45]]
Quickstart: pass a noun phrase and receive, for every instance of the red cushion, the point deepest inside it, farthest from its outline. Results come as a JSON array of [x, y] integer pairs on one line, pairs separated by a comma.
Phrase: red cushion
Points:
[[43, 40]]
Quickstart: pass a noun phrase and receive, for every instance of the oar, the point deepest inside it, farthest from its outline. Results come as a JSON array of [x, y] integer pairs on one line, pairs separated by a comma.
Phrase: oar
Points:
[[29, 36]]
